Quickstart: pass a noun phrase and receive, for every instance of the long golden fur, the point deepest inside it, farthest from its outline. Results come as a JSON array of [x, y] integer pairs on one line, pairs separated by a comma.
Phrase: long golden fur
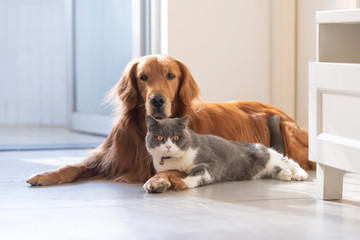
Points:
[[123, 156]]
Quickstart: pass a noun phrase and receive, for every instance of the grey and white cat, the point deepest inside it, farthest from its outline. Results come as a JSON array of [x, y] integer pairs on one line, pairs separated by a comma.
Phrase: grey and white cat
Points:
[[209, 159]]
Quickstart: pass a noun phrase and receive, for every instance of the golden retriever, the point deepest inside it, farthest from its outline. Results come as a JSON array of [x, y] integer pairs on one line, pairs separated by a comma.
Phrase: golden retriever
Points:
[[163, 87]]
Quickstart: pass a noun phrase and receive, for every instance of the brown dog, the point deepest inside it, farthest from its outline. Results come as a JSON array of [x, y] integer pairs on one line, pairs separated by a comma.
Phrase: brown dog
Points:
[[163, 87]]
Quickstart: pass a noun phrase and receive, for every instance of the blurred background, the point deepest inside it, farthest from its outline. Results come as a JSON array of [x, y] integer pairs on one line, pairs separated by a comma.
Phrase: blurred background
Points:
[[59, 58]]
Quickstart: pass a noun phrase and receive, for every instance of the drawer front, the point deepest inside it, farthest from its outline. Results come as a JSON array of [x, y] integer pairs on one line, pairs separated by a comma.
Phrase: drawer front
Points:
[[334, 115]]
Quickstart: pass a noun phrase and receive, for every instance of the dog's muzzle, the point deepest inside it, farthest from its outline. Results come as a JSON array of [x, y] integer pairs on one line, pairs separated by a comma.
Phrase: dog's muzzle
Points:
[[157, 102]]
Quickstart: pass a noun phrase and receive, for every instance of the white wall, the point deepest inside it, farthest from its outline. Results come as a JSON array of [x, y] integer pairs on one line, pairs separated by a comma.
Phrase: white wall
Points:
[[32, 62], [306, 46], [226, 45]]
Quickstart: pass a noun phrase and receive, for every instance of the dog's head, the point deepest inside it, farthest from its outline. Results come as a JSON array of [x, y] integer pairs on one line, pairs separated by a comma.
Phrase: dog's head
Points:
[[158, 83]]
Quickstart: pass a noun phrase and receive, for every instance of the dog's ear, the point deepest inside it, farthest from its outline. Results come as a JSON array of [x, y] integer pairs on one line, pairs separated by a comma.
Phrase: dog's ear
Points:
[[126, 88], [188, 90]]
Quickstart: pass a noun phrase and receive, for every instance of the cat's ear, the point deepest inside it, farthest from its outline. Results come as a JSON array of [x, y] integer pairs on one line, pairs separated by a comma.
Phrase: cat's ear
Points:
[[183, 121], [150, 122]]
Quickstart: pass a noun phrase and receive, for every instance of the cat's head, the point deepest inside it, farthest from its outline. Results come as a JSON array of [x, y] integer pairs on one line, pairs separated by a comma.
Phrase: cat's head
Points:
[[167, 137]]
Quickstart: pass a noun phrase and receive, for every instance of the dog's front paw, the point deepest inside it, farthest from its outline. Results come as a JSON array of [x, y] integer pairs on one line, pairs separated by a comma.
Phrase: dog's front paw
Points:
[[44, 179], [157, 185]]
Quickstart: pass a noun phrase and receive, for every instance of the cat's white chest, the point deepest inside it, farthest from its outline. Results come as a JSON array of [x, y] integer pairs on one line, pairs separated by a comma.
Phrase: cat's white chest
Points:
[[185, 162]]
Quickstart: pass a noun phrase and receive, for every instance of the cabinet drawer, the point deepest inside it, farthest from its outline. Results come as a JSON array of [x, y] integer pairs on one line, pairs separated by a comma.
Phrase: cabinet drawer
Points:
[[334, 115]]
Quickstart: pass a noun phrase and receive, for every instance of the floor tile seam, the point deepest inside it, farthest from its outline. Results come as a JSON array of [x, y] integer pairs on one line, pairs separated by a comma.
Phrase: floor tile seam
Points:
[[267, 199], [67, 207], [97, 203], [13, 181], [137, 204]]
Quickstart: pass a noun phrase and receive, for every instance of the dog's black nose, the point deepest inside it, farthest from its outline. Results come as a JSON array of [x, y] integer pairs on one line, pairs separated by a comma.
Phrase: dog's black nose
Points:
[[157, 100]]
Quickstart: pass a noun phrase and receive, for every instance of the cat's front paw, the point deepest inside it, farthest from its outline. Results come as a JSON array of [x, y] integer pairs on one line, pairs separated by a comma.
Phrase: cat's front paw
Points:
[[157, 185], [285, 175], [300, 175]]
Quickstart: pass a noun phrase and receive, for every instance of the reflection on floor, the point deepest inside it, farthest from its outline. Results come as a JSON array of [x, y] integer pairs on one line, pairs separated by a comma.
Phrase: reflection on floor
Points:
[[266, 209], [42, 138]]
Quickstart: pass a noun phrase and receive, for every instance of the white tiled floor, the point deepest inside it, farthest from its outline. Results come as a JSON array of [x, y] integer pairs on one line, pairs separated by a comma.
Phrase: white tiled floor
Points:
[[265, 209]]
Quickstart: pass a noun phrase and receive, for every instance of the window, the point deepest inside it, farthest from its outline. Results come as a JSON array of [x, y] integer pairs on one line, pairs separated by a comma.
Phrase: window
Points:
[[105, 36]]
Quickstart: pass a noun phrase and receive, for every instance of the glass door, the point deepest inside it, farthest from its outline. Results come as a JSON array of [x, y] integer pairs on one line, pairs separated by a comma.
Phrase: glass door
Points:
[[106, 35]]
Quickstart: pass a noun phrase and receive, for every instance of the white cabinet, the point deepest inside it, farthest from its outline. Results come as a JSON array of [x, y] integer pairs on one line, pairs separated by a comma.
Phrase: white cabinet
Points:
[[334, 100]]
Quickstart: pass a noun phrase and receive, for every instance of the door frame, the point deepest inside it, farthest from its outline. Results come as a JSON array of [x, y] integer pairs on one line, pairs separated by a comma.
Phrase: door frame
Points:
[[283, 55]]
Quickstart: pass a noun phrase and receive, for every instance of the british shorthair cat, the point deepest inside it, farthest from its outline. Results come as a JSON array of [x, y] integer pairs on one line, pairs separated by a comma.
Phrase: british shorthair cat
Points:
[[209, 159]]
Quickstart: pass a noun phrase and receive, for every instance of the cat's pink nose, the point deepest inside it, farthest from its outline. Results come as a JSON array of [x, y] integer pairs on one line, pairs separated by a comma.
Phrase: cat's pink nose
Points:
[[168, 147]]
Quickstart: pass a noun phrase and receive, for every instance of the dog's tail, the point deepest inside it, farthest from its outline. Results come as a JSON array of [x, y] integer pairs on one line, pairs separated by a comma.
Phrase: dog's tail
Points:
[[296, 143], [295, 138], [276, 137], [289, 138]]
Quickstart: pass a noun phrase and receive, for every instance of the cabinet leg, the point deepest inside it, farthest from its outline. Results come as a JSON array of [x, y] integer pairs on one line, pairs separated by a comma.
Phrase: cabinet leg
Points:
[[329, 182]]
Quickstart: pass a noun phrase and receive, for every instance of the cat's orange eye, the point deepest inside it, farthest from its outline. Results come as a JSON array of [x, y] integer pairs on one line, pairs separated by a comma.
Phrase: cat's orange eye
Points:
[[160, 138], [176, 138]]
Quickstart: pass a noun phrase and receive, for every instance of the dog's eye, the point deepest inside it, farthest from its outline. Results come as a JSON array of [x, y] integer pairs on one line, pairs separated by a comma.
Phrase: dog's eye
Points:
[[160, 138], [143, 77], [170, 76]]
